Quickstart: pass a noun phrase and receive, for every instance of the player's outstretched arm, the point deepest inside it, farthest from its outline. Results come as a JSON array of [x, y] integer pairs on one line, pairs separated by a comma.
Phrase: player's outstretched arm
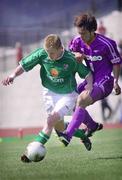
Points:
[[116, 72], [9, 79]]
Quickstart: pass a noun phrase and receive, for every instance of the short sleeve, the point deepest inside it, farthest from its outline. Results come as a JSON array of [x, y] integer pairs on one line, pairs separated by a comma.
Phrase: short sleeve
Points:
[[32, 60], [74, 45], [114, 55]]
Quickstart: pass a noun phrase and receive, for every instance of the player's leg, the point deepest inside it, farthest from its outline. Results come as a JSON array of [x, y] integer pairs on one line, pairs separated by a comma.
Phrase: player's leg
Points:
[[100, 90], [86, 99], [66, 105], [81, 116], [54, 118], [49, 101], [45, 133], [62, 126]]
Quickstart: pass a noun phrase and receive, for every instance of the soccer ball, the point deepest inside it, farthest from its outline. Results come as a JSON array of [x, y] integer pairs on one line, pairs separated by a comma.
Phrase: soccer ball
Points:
[[35, 151]]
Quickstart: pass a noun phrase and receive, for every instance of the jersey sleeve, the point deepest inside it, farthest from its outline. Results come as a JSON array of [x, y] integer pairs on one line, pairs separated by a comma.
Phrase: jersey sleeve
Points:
[[74, 45], [82, 70], [30, 61], [113, 54]]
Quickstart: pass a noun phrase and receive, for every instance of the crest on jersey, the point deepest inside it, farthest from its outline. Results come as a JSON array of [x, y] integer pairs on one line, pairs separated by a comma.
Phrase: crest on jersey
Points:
[[54, 72], [82, 49], [66, 66]]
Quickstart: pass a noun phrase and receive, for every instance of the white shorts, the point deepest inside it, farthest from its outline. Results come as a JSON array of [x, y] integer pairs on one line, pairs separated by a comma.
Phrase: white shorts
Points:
[[61, 103]]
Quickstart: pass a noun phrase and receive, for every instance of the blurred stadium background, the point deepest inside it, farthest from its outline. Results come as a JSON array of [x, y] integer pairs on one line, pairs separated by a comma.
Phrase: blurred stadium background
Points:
[[28, 22]]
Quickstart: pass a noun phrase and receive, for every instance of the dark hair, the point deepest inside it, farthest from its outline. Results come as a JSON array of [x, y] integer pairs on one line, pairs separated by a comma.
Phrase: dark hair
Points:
[[87, 21]]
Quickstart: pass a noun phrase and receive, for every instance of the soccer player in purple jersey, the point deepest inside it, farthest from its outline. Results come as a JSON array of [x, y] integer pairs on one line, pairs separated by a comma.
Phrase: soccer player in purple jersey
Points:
[[102, 57]]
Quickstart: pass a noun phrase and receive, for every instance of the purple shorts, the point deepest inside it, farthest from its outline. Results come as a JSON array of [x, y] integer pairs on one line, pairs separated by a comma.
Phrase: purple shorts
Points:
[[101, 89]]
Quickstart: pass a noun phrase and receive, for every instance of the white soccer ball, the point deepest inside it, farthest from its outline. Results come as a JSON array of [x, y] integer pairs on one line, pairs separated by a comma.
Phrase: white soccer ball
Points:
[[35, 151]]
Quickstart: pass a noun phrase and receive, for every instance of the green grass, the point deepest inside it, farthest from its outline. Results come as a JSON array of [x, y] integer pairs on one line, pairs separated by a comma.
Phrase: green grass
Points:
[[103, 162]]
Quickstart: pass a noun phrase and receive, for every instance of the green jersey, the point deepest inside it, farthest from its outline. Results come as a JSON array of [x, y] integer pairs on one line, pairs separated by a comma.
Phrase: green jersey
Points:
[[59, 75]]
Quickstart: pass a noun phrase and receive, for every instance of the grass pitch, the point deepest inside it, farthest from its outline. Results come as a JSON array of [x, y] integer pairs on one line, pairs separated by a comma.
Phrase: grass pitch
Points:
[[103, 162]]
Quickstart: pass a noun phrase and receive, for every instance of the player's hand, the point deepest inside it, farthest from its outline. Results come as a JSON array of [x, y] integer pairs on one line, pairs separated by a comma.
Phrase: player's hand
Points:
[[89, 87], [79, 57], [117, 89], [7, 81]]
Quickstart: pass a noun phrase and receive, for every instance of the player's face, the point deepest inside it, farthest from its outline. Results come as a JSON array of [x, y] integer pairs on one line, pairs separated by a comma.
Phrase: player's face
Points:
[[85, 34], [54, 54]]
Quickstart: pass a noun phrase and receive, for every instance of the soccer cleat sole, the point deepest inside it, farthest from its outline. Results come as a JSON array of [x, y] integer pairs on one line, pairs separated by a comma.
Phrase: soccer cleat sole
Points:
[[64, 141], [25, 159], [87, 144]]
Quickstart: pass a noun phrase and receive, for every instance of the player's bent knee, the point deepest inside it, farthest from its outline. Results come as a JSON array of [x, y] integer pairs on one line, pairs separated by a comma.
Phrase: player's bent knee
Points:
[[81, 99], [59, 126], [84, 100], [53, 119]]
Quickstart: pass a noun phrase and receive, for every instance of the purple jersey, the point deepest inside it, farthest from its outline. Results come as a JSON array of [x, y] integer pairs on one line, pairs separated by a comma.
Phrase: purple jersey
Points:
[[101, 55]]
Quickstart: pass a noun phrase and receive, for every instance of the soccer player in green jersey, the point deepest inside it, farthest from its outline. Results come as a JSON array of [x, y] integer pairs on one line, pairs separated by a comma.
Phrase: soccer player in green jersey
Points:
[[57, 73]]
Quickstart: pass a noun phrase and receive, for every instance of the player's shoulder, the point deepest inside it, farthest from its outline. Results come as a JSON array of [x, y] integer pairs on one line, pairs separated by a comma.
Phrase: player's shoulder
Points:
[[105, 40], [38, 50], [76, 39], [69, 58], [69, 55], [41, 52]]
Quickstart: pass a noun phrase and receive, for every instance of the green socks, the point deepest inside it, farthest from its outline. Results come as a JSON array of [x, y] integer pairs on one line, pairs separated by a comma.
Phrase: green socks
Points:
[[42, 138], [79, 133]]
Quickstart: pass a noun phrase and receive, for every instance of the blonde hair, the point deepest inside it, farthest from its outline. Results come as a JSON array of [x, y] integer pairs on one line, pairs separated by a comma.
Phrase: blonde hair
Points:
[[52, 41]]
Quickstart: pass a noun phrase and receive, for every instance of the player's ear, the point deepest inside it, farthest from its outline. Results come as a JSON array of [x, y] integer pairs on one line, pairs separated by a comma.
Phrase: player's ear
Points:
[[62, 47]]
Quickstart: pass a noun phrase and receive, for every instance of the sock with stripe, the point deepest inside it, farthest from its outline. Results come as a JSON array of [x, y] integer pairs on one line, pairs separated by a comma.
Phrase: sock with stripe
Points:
[[42, 137]]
